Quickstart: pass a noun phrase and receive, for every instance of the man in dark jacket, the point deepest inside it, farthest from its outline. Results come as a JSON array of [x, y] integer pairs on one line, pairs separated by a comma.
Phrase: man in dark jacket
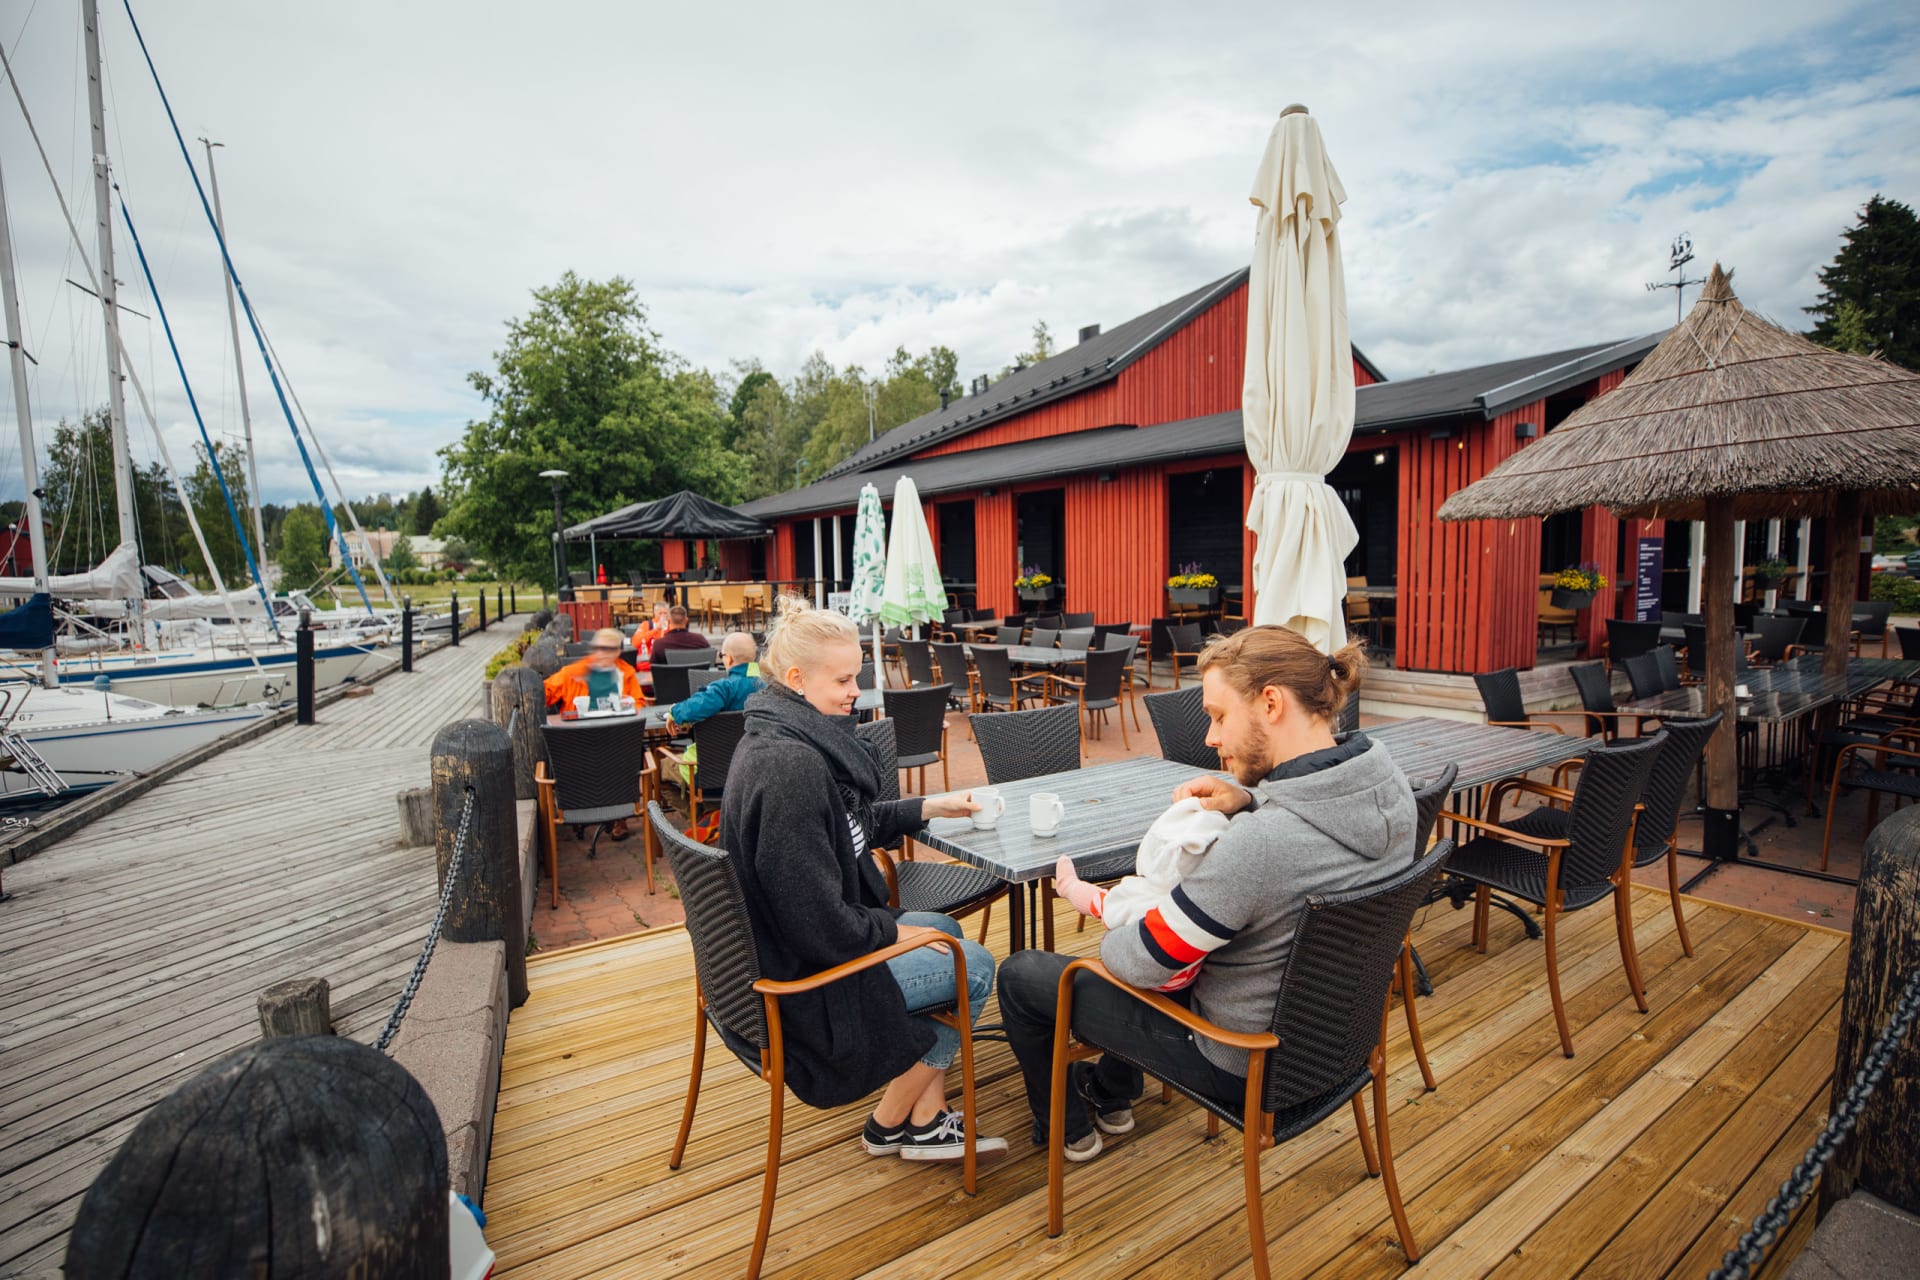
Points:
[[679, 636]]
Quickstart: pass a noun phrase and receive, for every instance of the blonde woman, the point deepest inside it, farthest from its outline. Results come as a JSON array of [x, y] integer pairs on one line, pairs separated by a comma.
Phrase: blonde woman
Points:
[[801, 816]]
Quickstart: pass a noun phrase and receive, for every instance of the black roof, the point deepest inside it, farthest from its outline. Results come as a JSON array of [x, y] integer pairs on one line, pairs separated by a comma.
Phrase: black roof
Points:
[[1099, 359], [1484, 391], [678, 515]]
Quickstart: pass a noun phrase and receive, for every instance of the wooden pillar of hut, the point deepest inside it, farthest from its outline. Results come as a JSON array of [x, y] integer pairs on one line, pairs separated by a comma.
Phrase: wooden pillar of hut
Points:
[[1843, 577], [1722, 835]]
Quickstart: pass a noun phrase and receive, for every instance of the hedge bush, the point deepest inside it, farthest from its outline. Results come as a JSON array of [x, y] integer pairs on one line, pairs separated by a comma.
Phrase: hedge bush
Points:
[[511, 654], [1902, 590]]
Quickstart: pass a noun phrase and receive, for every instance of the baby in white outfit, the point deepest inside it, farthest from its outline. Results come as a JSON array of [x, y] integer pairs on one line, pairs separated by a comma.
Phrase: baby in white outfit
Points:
[[1172, 847]]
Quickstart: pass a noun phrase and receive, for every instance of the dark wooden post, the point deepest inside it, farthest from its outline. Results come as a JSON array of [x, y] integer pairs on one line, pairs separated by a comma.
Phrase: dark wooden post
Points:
[[406, 633], [1878, 1156], [542, 656], [303, 669], [1722, 817], [500, 602], [520, 707], [483, 610], [486, 898], [315, 1152], [453, 604], [1843, 579], [513, 596], [296, 1007]]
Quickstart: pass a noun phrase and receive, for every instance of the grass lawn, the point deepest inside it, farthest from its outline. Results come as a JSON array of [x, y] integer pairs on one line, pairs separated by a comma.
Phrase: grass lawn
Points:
[[436, 593]]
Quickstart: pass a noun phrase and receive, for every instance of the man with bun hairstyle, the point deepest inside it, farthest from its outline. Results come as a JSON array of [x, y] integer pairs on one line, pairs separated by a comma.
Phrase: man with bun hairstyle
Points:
[[1308, 816]]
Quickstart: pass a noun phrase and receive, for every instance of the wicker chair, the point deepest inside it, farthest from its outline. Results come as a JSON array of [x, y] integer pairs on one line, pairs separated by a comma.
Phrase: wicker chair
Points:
[[1429, 796], [1629, 639], [1009, 635], [1029, 744], [671, 684], [1669, 663], [744, 1008], [1500, 694], [1186, 643], [950, 888], [920, 726], [687, 657], [1348, 721], [1696, 637], [918, 655], [1909, 639], [1182, 725], [1077, 638], [954, 672], [1776, 640], [1139, 663], [1878, 768], [1044, 638], [1870, 624], [1322, 1052], [1596, 699], [1643, 673], [1098, 692], [997, 688], [1591, 861], [598, 772], [715, 739], [1073, 620], [950, 619], [699, 678]]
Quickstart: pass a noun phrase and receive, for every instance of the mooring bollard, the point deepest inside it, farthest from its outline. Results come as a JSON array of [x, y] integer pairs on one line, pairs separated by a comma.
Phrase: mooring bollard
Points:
[[406, 633], [303, 669], [513, 596], [486, 903], [520, 707], [296, 1007], [1878, 1156], [499, 602], [453, 603], [542, 656], [276, 1146]]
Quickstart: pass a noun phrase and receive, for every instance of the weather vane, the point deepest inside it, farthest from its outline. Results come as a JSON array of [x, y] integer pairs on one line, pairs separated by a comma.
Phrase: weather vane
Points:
[[1682, 254]]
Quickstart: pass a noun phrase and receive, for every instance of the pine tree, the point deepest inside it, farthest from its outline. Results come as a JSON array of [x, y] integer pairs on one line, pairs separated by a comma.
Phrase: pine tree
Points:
[[1870, 295]]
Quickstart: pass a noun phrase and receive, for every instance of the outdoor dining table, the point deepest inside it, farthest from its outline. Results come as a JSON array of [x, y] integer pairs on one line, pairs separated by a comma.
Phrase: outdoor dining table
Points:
[[1033, 656], [976, 628]]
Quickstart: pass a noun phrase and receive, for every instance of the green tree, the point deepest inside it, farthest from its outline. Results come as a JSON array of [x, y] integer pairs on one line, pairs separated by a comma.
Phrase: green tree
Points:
[[303, 546], [426, 512], [583, 386], [211, 510], [401, 556], [1042, 349], [1870, 294]]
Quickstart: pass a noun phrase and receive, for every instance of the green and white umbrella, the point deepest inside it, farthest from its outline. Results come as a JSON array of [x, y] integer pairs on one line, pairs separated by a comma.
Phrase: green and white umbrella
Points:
[[913, 593], [869, 566]]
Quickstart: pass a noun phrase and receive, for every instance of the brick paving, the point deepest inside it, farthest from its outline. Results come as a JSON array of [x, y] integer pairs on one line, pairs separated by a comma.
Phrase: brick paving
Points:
[[607, 896]]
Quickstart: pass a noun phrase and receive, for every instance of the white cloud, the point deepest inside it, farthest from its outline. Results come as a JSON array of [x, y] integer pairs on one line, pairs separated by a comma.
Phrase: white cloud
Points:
[[778, 180]]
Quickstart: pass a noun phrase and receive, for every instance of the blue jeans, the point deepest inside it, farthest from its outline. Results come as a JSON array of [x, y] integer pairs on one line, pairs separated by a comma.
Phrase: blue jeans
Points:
[[926, 980]]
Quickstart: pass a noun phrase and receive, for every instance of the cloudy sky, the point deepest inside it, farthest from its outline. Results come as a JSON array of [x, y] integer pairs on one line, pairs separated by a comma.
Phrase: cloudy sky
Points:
[[779, 179]]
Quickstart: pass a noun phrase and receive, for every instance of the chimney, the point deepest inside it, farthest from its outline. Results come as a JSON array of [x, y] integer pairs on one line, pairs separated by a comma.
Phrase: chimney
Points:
[[1088, 332], [944, 398]]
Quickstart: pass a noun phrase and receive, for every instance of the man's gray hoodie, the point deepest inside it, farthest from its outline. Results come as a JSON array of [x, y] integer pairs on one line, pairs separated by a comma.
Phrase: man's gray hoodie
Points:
[[1329, 821]]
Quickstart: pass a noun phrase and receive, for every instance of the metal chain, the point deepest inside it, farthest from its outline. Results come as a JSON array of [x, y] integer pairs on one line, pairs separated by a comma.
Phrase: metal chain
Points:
[[433, 931], [1765, 1232]]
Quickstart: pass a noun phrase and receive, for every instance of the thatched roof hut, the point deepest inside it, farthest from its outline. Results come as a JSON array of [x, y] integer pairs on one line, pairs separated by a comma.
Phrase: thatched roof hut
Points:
[[1728, 405], [1729, 418]]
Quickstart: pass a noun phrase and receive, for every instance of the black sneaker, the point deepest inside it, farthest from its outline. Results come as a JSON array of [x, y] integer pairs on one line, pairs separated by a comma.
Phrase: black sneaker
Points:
[[944, 1138], [882, 1142], [1108, 1116]]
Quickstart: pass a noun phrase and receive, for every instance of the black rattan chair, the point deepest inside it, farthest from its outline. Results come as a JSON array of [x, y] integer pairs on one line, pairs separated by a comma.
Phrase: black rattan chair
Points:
[[951, 659], [1348, 721], [949, 619], [1697, 651], [1629, 639], [1429, 797], [1878, 768], [1044, 638], [1072, 620], [1596, 700], [950, 888], [1321, 1053], [1182, 725], [1029, 744], [1591, 861], [1139, 663], [1098, 692], [1643, 673], [1052, 621], [596, 772], [1668, 663], [920, 728], [715, 739], [686, 657], [1186, 642], [997, 689], [744, 1007], [1909, 638], [699, 678], [918, 655], [671, 684], [1077, 638], [1500, 694], [1009, 635], [1776, 640], [1870, 624]]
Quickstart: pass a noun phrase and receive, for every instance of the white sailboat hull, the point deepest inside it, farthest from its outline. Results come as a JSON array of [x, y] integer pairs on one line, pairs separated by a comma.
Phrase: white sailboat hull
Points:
[[77, 731], [225, 678]]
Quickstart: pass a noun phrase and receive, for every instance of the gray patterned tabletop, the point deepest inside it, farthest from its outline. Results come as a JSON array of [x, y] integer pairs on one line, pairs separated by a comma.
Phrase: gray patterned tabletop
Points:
[[1424, 745]]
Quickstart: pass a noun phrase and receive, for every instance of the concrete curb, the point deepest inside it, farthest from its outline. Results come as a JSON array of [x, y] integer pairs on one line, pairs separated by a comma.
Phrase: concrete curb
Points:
[[1861, 1238]]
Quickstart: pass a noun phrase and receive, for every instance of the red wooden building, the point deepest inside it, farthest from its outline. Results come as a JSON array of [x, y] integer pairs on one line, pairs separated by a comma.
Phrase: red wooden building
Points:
[[1120, 459]]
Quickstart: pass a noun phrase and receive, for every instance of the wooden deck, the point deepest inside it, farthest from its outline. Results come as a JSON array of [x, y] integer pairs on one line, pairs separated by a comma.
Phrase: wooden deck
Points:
[[134, 949], [1643, 1156]]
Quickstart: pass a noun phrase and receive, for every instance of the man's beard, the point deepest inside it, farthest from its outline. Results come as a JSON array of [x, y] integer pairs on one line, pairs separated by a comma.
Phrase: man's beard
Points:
[[1252, 763]]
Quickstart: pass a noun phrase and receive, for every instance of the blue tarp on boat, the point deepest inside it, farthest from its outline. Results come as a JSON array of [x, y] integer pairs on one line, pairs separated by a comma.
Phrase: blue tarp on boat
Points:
[[30, 626]]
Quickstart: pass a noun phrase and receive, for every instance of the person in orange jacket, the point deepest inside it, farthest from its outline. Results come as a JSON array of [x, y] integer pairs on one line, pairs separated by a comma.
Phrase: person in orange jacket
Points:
[[599, 675], [648, 632]]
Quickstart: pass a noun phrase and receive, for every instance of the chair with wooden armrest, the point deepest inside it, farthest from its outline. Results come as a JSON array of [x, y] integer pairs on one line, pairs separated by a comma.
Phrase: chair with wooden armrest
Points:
[[1776, 640], [1506, 707], [1186, 643], [920, 721], [997, 688], [950, 888], [1322, 1049], [1603, 716], [1894, 771], [704, 775], [1429, 795], [1182, 725], [596, 772], [1096, 693], [1592, 861], [743, 1007]]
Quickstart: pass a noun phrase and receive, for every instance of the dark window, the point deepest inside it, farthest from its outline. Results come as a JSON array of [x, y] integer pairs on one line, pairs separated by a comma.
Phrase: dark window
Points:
[[1368, 482], [1042, 531], [956, 541], [1204, 518]]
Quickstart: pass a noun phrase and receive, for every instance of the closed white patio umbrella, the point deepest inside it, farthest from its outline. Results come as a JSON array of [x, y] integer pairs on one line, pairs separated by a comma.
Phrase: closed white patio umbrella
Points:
[[913, 593], [1297, 402], [869, 570]]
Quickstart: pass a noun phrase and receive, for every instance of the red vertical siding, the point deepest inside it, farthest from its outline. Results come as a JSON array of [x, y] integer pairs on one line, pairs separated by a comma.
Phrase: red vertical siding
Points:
[[783, 565], [1600, 544], [673, 556], [1116, 544], [1468, 592], [993, 550], [736, 559]]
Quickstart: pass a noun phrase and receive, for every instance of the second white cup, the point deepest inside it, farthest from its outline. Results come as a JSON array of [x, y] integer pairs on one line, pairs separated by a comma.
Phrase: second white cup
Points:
[[1044, 812]]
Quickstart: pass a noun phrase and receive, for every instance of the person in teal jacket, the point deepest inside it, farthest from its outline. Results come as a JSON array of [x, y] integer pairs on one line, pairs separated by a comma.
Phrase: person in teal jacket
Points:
[[729, 693]]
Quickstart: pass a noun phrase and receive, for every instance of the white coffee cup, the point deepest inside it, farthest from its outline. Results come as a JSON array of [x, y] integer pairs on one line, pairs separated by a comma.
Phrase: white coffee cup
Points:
[[1044, 812], [582, 703], [992, 805]]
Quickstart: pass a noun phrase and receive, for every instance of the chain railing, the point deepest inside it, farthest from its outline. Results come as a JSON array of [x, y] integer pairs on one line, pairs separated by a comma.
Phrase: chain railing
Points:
[[1740, 1261], [407, 993]]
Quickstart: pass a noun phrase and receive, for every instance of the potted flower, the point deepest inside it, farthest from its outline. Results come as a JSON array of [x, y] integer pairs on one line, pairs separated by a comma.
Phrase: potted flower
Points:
[[1193, 586], [1575, 588], [1770, 573], [1034, 586]]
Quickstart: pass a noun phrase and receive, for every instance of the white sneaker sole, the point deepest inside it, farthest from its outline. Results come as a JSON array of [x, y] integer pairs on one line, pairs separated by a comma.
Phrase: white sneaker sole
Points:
[[1113, 1127], [1086, 1153], [983, 1148]]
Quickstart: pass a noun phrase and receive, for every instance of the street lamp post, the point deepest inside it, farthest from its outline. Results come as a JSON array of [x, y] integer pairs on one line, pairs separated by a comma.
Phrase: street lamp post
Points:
[[561, 589]]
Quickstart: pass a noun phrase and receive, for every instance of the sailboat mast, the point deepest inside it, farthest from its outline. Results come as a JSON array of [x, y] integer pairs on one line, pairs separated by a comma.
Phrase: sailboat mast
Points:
[[29, 463], [109, 289], [239, 371]]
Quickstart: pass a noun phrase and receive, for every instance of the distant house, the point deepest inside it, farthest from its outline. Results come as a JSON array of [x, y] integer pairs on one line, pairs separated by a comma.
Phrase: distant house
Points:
[[377, 544]]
